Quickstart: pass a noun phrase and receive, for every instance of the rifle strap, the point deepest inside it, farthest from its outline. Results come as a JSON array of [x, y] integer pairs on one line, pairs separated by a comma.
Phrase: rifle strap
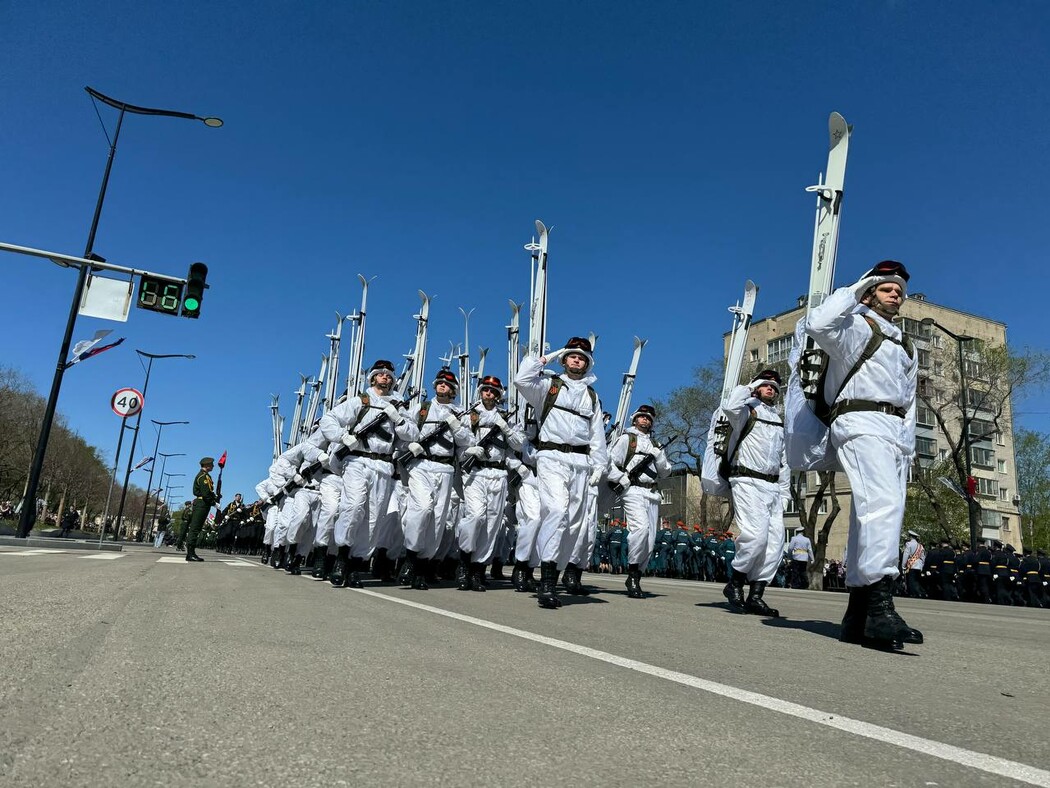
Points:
[[878, 336], [550, 401]]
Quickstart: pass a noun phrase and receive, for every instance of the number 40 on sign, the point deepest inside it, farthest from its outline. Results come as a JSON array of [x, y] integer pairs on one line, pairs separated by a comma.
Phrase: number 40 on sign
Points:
[[126, 402]]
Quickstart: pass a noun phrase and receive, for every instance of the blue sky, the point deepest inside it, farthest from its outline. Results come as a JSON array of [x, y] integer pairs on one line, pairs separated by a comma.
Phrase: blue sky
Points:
[[668, 144]]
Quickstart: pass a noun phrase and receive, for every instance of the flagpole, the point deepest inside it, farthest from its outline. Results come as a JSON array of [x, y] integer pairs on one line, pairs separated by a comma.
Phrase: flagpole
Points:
[[112, 481]]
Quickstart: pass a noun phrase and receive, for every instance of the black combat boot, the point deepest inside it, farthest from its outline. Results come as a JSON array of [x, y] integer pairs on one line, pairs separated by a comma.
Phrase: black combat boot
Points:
[[548, 595], [382, 566], [496, 571], [734, 591], [408, 568], [289, 564], [265, 558], [633, 582], [419, 578], [340, 570], [852, 629], [568, 580], [295, 566], [756, 605], [357, 566], [530, 579], [463, 571], [329, 562], [517, 576], [581, 589], [883, 625], [317, 573], [477, 577], [190, 555]]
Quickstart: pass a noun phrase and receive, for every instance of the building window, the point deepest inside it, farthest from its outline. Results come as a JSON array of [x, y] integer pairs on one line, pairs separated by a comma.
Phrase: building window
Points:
[[989, 488], [942, 454], [982, 458], [754, 354], [924, 416], [915, 328], [665, 497], [999, 441], [938, 368], [990, 519], [981, 430], [778, 349], [1003, 491], [1001, 466], [925, 447], [924, 359], [1005, 524], [937, 341]]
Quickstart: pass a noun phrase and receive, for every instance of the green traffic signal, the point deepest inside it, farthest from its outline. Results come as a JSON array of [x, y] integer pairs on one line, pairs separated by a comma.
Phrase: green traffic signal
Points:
[[195, 285]]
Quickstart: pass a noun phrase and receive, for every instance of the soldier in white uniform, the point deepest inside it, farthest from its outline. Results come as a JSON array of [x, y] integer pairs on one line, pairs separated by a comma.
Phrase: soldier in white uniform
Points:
[[431, 468], [485, 483], [873, 433], [635, 464], [570, 452], [759, 480], [367, 425], [527, 514]]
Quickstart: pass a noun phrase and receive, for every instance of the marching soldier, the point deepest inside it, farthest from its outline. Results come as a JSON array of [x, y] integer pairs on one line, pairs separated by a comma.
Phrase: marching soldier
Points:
[[758, 479], [1033, 583], [571, 453], [203, 499], [984, 576], [1001, 574], [485, 484], [635, 464], [800, 548], [184, 524], [912, 563], [947, 569], [873, 433]]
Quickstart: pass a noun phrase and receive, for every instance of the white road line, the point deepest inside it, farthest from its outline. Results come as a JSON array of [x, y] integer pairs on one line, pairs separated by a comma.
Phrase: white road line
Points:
[[105, 556], [234, 563], [977, 760], [32, 552], [172, 559]]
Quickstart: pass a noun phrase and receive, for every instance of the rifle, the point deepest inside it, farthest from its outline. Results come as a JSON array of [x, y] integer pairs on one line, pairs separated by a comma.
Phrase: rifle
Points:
[[429, 440], [343, 451], [484, 442], [643, 467]]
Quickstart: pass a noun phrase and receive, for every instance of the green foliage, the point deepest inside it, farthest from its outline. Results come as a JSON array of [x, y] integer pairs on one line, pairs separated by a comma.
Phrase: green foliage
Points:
[[1032, 451]]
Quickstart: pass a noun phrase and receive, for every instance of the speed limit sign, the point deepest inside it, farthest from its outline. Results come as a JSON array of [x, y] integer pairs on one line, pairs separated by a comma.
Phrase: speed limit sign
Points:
[[126, 402]]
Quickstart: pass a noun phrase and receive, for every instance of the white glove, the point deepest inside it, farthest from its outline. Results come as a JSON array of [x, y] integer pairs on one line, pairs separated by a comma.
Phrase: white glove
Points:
[[524, 471], [416, 449], [475, 451], [995, 577], [322, 457], [864, 285], [554, 356], [391, 411], [350, 440], [452, 422], [305, 464], [784, 503], [298, 479], [501, 424], [596, 476]]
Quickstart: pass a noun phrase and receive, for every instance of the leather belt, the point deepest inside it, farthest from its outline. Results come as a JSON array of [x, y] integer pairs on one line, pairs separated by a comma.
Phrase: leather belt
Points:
[[494, 464], [645, 485], [866, 406], [740, 470], [441, 460], [562, 447], [373, 455]]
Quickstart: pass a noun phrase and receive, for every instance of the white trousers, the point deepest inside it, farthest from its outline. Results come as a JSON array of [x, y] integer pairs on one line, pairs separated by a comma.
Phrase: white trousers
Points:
[[878, 474], [484, 501], [563, 506], [389, 535], [760, 520], [527, 511], [427, 508], [584, 544], [641, 509], [367, 486], [272, 515], [331, 493], [299, 522]]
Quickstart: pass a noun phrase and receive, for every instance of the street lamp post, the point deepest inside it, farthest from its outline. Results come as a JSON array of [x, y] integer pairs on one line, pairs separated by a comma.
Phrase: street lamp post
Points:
[[971, 502], [138, 423], [149, 485], [28, 515], [163, 464]]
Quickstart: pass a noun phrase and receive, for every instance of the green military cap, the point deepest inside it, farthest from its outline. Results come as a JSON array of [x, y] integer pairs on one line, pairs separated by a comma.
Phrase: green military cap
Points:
[[207, 461]]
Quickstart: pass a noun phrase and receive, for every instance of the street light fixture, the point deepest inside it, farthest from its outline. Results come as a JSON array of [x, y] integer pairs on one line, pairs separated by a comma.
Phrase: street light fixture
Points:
[[971, 502], [28, 516], [138, 423], [149, 485], [163, 464]]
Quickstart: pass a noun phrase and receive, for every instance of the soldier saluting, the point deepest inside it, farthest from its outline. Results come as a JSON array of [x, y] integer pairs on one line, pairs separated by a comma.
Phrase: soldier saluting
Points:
[[204, 498]]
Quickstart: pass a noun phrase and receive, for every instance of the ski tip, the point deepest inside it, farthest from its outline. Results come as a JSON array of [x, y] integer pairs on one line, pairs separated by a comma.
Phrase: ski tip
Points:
[[838, 129], [750, 285], [540, 228]]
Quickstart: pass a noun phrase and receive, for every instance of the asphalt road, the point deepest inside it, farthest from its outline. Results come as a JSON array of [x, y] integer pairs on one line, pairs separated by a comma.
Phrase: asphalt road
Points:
[[124, 669]]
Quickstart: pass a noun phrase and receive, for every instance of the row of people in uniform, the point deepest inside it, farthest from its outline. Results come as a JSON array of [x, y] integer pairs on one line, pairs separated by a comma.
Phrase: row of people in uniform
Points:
[[992, 573]]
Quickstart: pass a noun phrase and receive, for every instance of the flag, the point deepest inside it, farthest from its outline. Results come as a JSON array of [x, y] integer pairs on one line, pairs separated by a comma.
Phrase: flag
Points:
[[222, 460], [103, 349], [148, 459], [84, 345]]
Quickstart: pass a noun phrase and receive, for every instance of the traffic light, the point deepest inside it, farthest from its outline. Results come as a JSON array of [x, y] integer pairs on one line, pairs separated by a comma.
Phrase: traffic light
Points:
[[159, 294], [195, 284]]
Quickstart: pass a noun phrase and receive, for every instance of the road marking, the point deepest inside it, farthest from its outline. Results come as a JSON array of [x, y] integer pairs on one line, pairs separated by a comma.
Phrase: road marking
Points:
[[234, 563], [105, 556], [32, 552], [173, 559], [977, 760]]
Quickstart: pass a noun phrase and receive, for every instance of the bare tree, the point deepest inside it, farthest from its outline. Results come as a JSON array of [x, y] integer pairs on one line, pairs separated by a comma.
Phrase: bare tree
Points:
[[809, 516]]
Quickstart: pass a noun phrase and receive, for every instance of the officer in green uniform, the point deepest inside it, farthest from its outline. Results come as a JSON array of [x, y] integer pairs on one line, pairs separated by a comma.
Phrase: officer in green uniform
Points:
[[728, 549], [203, 499]]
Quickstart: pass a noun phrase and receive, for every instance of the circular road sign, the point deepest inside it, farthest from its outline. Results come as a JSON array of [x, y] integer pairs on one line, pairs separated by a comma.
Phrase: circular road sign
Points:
[[126, 402]]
